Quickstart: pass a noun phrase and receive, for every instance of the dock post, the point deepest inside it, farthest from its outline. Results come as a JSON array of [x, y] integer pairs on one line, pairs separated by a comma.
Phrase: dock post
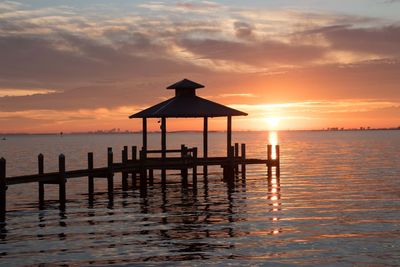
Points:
[[228, 167], [278, 161], [151, 177], [61, 180], [110, 174], [3, 189], [243, 148], [236, 156], [184, 171], [269, 157], [90, 176], [134, 173], [228, 134], [41, 184], [205, 146], [163, 148], [231, 165], [194, 167], [143, 170], [125, 173]]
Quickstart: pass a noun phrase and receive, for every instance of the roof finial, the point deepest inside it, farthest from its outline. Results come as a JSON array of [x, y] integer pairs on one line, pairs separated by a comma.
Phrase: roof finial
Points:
[[185, 84]]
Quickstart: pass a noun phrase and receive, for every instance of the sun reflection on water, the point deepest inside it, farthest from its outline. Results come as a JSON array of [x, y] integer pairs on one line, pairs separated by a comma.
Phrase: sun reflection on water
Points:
[[273, 140]]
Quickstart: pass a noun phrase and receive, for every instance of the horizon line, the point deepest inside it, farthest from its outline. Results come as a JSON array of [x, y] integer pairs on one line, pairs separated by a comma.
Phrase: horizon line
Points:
[[213, 131]]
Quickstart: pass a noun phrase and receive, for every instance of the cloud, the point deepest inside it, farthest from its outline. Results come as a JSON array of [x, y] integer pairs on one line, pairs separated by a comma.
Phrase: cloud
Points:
[[182, 6], [265, 53], [380, 41], [391, 1], [243, 30], [9, 6], [23, 92]]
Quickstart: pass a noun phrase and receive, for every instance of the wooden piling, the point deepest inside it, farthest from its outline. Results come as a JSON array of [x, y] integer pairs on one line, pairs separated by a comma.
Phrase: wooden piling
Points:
[[134, 153], [236, 156], [269, 158], [228, 134], [110, 174], [143, 170], [205, 145], [124, 173], [41, 184], [228, 167], [134, 173], [163, 147], [3, 189], [90, 176], [243, 148], [184, 171], [278, 161], [195, 167], [151, 177], [61, 181]]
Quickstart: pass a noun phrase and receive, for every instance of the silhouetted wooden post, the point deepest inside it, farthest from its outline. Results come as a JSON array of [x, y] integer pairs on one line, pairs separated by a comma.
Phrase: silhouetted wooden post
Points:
[[151, 177], [134, 173], [61, 181], [269, 157], [3, 189], [90, 176], [229, 135], [184, 170], [110, 173], [195, 167], [144, 134], [163, 146], [143, 170], [125, 173], [278, 161], [205, 145], [41, 184], [243, 148], [229, 172], [236, 156]]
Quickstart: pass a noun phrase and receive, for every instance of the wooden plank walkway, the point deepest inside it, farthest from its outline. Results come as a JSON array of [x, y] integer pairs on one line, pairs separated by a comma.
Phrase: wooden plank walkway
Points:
[[150, 163]]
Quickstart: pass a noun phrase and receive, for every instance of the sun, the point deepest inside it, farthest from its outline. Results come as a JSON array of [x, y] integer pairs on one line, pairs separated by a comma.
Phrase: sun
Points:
[[273, 122]]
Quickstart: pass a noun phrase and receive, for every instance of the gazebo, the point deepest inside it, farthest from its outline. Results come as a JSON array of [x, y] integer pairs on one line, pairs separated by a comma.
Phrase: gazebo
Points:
[[186, 104]]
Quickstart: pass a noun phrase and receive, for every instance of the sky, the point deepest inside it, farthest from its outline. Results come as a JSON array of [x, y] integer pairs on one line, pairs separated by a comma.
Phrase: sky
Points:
[[75, 66]]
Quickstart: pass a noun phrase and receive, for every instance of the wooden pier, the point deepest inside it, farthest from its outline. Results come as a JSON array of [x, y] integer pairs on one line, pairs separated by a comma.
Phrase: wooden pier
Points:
[[185, 104], [141, 167]]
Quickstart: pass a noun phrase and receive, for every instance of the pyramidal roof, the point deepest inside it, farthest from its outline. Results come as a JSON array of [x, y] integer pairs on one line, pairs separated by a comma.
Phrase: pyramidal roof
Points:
[[187, 105], [185, 84]]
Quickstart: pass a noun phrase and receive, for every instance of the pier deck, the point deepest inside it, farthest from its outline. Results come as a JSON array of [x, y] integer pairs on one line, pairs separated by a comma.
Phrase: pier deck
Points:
[[142, 166]]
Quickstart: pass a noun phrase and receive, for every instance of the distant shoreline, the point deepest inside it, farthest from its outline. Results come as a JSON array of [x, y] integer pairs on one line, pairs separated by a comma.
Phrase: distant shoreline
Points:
[[249, 131]]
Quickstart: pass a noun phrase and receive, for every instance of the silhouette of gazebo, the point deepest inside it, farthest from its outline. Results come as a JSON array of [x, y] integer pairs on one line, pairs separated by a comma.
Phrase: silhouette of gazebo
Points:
[[186, 104]]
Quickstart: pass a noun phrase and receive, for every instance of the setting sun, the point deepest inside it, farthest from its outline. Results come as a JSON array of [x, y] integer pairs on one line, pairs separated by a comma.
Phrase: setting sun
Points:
[[273, 123]]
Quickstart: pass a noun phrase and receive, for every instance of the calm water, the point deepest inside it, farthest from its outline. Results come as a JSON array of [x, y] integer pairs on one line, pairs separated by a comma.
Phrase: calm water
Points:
[[337, 203]]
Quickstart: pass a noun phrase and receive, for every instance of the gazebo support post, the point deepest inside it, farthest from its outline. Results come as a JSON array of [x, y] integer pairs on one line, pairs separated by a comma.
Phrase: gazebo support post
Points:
[[229, 136], [163, 146], [144, 134], [205, 145]]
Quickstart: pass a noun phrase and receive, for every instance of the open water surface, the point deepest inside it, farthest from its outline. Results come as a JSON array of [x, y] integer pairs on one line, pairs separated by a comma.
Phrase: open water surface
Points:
[[337, 202]]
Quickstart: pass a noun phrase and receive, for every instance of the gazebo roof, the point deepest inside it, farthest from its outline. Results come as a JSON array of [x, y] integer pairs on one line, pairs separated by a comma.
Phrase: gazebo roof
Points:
[[187, 105]]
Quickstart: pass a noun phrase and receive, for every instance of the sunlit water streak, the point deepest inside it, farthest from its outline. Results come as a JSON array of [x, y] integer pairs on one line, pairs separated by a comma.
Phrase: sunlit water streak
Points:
[[337, 203]]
